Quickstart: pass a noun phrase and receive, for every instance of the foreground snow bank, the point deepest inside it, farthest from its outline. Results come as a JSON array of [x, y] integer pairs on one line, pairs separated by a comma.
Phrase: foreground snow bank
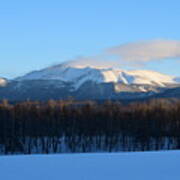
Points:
[[116, 166]]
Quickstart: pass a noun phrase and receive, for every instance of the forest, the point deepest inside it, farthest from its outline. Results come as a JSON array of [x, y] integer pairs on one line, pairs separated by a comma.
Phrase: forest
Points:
[[77, 127]]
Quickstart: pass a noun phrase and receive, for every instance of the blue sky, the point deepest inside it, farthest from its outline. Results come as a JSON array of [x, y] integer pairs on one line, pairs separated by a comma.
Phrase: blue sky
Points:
[[38, 33]]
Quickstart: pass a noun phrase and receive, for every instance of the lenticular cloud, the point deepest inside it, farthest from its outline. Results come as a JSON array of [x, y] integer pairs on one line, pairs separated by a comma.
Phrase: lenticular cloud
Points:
[[145, 51]]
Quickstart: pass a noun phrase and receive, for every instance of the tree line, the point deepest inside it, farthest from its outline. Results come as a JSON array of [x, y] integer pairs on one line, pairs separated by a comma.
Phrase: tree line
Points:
[[71, 126]]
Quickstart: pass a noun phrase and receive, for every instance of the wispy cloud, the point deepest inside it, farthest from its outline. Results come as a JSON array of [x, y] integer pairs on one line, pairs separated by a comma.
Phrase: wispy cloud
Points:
[[144, 51], [101, 61], [132, 54]]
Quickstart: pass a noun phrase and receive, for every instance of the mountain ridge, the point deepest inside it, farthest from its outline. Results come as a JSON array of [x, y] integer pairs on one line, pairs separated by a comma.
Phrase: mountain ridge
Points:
[[66, 80], [79, 75], [3, 81]]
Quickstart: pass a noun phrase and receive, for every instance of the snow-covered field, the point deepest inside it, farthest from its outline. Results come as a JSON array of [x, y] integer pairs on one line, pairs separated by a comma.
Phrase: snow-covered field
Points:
[[115, 166]]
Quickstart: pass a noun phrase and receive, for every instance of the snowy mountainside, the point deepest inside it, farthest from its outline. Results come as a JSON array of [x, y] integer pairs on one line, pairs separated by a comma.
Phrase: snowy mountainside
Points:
[[3, 81], [80, 75], [82, 82]]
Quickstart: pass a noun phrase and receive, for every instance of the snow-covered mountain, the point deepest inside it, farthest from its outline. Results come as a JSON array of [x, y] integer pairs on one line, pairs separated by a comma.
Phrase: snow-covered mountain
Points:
[[3, 81], [79, 75], [82, 82]]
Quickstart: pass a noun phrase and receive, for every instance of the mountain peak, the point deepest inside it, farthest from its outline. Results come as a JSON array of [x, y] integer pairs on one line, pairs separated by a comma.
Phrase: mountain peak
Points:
[[77, 75], [3, 81], [64, 80]]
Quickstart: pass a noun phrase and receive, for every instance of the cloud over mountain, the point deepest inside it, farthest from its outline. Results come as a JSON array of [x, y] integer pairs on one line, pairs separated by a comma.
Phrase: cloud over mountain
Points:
[[144, 51], [133, 54]]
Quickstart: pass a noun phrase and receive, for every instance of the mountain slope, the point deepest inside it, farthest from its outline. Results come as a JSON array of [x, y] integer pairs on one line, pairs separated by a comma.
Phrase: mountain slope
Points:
[[67, 80], [169, 93], [80, 75], [3, 82]]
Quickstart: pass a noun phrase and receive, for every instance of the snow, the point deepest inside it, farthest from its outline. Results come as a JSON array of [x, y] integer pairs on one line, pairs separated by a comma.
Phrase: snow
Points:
[[147, 77], [2, 82], [115, 166], [78, 75]]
